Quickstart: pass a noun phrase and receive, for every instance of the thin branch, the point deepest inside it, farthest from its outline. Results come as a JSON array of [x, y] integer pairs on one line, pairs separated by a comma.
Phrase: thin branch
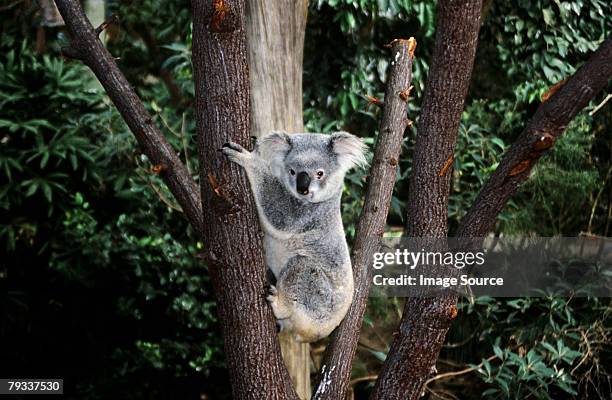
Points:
[[112, 20], [596, 201], [600, 105], [160, 195], [436, 394], [10, 5], [363, 379], [184, 141], [457, 373], [371, 225], [86, 46], [542, 131]]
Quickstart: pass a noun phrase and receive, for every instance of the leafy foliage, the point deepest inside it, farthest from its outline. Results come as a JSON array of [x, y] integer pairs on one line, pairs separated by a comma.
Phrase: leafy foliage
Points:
[[78, 213]]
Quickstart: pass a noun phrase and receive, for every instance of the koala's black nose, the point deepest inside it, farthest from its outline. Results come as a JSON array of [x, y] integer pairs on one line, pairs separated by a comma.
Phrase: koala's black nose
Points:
[[302, 182]]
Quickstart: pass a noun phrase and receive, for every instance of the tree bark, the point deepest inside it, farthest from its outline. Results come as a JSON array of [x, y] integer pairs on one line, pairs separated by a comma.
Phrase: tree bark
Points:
[[547, 124], [338, 360], [458, 23], [86, 46], [275, 32], [231, 232], [424, 323]]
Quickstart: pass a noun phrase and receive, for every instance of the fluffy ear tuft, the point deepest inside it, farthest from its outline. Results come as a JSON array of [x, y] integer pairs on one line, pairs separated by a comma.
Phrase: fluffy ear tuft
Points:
[[274, 145], [350, 149]]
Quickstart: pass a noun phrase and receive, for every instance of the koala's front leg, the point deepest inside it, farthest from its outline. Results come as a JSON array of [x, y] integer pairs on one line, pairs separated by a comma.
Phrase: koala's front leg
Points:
[[237, 154]]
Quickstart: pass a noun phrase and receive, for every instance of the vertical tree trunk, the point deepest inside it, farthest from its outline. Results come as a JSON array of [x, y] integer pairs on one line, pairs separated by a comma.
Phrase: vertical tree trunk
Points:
[[275, 32], [231, 234]]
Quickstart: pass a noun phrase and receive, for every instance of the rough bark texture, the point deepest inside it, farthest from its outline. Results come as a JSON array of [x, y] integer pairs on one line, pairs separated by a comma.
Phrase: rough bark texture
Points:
[[458, 23], [86, 46], [338, 360], [231, 236], [540, 134], [275, 32], [416, 346]]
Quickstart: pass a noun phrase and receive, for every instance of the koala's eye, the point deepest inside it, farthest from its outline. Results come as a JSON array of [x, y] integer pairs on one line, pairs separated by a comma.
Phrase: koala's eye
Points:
[[320, 174], [292, 172]]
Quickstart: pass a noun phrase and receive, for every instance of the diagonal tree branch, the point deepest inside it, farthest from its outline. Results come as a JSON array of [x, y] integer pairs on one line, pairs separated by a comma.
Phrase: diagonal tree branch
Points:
[[338, 360], [425, 321], [231, 233], [563, 102], [86, 46]]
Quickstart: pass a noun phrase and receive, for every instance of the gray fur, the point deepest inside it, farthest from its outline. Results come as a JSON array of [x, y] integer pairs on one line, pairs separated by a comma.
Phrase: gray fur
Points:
[[304, 239]]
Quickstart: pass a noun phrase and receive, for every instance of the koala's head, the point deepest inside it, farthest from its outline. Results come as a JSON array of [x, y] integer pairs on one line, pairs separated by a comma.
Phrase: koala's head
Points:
[[312, 166]]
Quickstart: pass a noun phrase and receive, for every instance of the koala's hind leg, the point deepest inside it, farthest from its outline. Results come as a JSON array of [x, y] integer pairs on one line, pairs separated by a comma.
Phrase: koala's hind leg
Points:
[[237, 154], [281, 306]]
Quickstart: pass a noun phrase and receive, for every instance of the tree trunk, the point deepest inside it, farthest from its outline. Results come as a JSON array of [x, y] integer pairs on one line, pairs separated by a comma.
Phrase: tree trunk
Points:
[[275, 32], [231, 234]]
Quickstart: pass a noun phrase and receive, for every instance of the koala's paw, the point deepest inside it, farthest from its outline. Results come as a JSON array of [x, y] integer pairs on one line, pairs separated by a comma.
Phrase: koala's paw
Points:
[[279, 307], [236, 153], [234, 146], [271, 294]]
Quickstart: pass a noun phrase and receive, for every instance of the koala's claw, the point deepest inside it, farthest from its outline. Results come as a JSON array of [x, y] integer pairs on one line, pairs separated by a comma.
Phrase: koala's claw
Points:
[[233, 146], [271, 290], [236, 153], [272, 294]]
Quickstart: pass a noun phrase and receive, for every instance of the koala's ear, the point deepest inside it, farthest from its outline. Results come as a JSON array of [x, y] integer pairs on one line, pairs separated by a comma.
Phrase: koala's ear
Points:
[[274, 145], [350, 149]]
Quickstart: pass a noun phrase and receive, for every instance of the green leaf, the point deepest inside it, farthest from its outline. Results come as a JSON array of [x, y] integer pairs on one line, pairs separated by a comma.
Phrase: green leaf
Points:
[[549, 16]]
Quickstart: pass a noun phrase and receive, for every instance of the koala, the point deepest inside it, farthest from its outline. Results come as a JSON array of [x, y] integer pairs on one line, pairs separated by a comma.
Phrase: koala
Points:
[[297, 181]]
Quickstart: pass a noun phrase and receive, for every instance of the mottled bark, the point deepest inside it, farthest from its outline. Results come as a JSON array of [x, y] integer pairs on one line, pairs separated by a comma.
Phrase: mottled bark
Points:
[[338, 360], [416, 345], [231, 235], [563, 102], [275, 32], [86, 46]]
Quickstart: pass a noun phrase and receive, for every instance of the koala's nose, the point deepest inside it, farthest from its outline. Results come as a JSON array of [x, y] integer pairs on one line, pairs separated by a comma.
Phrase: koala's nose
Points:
[[302, 182]]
